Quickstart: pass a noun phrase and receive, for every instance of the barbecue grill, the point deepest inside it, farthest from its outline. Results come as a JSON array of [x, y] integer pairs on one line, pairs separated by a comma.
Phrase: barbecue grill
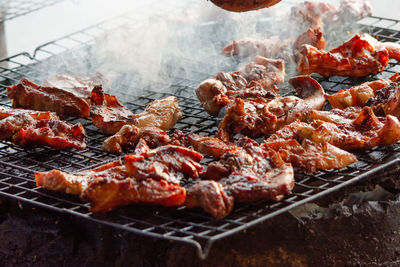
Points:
[[189, 226], [15, 8]]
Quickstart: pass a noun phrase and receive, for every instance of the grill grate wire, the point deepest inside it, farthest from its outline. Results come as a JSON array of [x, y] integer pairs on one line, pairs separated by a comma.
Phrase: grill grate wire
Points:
[[15, 8], [190, 226]]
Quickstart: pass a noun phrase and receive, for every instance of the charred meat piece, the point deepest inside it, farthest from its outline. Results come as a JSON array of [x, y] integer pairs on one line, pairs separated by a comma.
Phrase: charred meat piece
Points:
[[358, 96], [161, 113], [360, 56], [254, 80], [170, 163], [107, 114], [352, 130], [252, 173], [29, 95], [386, 100], [260, 116], [210, 146], [306, 154], [109, 186], [244, 5], [211, 197], [128, 136], [32, 128]]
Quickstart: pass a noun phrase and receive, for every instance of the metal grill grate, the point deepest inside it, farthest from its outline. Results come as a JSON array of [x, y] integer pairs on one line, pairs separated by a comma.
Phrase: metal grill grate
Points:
[[10, 9], [191, 226]]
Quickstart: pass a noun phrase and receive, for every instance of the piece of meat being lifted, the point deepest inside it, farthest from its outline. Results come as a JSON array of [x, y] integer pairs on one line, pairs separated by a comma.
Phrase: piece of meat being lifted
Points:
[[250, 173], [256, 117], [360, 56], [108, 115], [359, 95], [65, 102], [352, 129], [29, 128], [149, 176], [129, 135], [305, 154], [256, 79]]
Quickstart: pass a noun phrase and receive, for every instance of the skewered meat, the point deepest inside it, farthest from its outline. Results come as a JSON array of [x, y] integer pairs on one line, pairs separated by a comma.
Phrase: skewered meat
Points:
[[252, 173], [254, 80], [109, 186], [32, 128], [358, 96], [161, 113], [352, 130], [29, 95], [261, 116], [360, 56], [128, 136], [244, 5], [107, 114], [306, 154], [211, 196]]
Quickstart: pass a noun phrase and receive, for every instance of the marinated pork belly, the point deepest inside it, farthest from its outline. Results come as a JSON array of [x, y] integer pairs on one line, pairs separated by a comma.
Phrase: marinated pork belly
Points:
[[207, 145], [352, 129], [358, 96], [152, 176], [386, 100], [128, 136], [254, 80], [29, 95], [306, 154], [29, 128], [360, 56], [260, 116]]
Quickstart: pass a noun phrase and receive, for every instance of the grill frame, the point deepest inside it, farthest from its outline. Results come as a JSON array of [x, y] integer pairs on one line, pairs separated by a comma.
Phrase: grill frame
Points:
[[178, 224], [17, 8]]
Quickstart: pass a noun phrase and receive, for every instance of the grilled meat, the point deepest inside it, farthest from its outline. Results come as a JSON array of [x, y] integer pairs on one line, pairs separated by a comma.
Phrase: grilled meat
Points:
[[260, 116], [29, 95], [210, 146], [109, 186], [128, 136], [358, 96], [360, 56], [211, 197], [161, 113], [254, 80], [352, 130], [386, 100], [252, 173], [306, 154], [313, 37], [244, 5], [171, 163], [107, 114], [32, 128]]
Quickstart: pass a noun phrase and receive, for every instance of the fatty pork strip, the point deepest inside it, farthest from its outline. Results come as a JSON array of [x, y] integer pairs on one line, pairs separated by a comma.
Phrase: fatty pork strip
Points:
[[256, 117], [29, 128], [255, 79], [360, 56], [108, 115], [149, 176], [250, 173], [66, 103], [305, 154]]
